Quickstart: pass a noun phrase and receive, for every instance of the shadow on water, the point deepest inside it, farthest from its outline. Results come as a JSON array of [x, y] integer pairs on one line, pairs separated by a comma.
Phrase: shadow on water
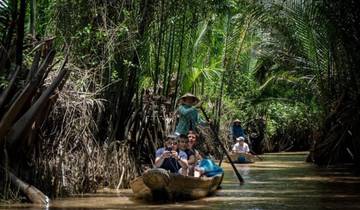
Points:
[[281, 181]]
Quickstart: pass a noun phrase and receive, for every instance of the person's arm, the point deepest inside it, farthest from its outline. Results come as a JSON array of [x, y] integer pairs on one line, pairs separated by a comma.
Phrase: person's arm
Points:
[[201, 121], [197, 155], [234, 149], [192, 160], [183, 162], [161, 155], [181, 158], [241, 131], [247, 149], [185, 110], [159, 161]]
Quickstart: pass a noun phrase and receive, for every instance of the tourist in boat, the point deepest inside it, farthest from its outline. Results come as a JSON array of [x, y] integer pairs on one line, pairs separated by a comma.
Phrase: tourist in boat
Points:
[[171, 158], [241, 146], [192, 138], [188, 114], [183, 146], [193, 154], [183, 143], [206, 166], [236, 130]]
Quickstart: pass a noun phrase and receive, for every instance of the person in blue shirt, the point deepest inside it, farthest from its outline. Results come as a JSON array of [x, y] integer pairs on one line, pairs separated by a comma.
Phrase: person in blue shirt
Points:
[[236, 130], [207, 167], [188, 114], [171, 158]]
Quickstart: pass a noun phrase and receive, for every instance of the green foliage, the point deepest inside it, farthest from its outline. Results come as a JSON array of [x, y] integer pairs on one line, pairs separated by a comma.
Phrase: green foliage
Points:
[[3, 82], [253, 60], [5, 14], [280, 115], [234, 54]]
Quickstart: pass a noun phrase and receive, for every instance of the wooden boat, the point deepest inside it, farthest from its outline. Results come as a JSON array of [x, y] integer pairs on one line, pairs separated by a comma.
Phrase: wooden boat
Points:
[[240, 158], [159, 184]]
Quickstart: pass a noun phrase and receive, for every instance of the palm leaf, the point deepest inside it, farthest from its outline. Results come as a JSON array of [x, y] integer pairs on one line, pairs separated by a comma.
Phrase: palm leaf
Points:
[[311, 36], [5, 16], [201, 35]]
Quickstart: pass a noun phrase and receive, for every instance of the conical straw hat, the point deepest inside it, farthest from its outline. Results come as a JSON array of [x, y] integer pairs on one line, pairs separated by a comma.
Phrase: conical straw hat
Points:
[[189, 95], [237, 121]]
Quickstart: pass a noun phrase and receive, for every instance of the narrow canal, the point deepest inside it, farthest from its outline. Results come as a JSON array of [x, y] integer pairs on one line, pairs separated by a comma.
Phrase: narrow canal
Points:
[[280, 181]]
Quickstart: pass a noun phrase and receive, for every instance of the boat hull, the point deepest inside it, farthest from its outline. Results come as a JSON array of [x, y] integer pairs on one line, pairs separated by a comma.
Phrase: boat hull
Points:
[[158, 184], [240, 158]]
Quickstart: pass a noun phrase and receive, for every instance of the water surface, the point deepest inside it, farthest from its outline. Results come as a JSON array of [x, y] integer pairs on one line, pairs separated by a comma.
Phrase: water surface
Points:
[[280, 181]]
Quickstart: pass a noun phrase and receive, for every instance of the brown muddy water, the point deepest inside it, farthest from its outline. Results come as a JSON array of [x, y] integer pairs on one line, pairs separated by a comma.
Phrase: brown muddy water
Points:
[[280, 181]]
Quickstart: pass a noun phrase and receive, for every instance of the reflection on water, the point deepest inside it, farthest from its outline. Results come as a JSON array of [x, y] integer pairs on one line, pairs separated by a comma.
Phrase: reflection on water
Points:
[[281, 181]]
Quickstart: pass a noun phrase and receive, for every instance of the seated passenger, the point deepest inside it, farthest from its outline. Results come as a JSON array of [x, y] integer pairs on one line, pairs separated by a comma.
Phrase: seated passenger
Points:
[[193, 154], [241, 146], [207, 167], [171, 158], [183, 146]]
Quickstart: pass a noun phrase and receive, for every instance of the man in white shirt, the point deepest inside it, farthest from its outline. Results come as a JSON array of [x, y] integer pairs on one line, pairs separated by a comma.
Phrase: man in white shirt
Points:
[[240, 146]]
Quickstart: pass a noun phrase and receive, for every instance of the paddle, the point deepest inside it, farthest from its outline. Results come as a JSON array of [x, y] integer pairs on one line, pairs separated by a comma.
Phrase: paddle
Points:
[[222, 157], [256, 155], [241, 180]]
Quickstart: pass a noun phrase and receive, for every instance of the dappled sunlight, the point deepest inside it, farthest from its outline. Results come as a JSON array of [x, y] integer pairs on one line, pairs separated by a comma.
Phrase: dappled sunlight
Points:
[[247, 199], [278, 165], [248, 181], [267, 192], [322, 178], [312, 178], [290, 154], [335, 173], [291, 163]]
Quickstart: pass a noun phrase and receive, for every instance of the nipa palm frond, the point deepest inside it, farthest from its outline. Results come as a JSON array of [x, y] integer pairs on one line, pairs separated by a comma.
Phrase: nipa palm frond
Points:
[[5, 17], [311, 35]]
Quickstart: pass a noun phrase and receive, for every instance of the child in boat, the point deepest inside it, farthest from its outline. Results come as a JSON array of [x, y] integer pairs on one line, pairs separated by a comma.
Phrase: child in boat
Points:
[[171, 158], [183, 146], [241, 146], [186, 144], [193, 154], [207, 167]]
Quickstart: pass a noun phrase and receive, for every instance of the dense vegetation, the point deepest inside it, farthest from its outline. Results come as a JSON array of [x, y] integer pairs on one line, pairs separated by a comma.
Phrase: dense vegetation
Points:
[[93, 113]]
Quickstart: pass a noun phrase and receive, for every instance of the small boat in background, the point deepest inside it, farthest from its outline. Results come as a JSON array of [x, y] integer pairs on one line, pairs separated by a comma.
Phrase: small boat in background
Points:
[[241, 158], [159, 184]]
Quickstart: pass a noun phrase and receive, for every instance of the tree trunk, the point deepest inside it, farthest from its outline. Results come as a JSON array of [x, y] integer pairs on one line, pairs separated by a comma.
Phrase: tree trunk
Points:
[[31, 192]]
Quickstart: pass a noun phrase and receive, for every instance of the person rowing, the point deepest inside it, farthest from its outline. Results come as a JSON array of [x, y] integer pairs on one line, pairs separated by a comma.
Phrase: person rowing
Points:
[[188, 114]]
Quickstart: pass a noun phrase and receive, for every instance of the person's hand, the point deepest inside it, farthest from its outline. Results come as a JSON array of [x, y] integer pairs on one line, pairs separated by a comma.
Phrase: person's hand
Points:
[[166, 154], [198, 156], [200, 169], [174, 154]]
